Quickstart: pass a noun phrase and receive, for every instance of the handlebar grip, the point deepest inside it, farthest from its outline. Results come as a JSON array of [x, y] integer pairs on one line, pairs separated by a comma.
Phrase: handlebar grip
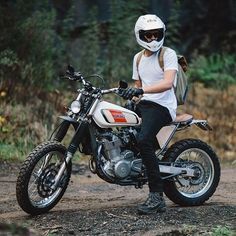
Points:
[[68, 73], [77, 75]]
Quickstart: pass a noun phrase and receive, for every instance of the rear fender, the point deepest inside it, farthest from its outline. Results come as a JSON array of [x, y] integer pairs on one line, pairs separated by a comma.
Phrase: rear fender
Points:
[[167, 132]]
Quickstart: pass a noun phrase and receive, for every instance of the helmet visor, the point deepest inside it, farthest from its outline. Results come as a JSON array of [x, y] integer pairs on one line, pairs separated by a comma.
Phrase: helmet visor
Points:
[[147, 35]]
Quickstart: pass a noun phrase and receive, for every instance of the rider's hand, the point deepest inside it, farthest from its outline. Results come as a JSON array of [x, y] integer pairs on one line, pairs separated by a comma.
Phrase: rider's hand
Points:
[[130, 92]]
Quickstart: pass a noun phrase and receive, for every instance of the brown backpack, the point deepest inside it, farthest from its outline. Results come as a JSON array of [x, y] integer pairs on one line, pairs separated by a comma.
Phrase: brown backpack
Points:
[[181, 87]]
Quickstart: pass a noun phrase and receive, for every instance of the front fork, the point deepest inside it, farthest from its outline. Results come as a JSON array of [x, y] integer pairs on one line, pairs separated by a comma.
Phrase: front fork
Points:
[[61, 171], [77, 138]]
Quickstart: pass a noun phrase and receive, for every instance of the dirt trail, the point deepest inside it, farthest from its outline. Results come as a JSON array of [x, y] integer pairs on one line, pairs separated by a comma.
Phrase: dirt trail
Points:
[[91, 206]]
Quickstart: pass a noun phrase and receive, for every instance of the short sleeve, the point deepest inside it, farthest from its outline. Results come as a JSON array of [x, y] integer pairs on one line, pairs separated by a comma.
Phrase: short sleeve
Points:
[[135, 75], [170, 60]]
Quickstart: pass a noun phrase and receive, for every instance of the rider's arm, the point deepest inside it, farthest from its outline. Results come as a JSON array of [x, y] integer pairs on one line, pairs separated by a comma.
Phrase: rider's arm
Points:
[[138, 83], [163, 85]]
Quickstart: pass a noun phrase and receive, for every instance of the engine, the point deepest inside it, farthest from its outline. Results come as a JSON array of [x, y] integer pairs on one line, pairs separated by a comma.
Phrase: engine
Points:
[[120, 162]]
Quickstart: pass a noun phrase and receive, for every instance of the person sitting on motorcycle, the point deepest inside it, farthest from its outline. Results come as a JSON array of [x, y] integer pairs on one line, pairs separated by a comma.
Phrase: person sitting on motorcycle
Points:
[[158, 103]]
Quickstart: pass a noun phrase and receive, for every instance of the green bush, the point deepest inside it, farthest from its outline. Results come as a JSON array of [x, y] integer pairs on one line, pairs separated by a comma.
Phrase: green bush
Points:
[[30, 48], [222, 231], [216, 70]]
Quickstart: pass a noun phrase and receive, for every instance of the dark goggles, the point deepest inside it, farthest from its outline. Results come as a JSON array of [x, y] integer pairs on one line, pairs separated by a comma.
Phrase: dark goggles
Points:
[[149, 34]]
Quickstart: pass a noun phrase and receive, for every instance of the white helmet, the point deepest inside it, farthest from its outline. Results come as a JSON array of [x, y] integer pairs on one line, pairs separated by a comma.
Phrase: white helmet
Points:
[[145, 27]]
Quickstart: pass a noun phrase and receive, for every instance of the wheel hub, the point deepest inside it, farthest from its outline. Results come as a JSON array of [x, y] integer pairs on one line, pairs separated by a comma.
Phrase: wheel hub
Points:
[[47, 180], [198, 174]]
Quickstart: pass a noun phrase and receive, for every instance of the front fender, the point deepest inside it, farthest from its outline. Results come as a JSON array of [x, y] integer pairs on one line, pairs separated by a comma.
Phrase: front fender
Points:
[[64, 126], [80, 128], [67, 118]]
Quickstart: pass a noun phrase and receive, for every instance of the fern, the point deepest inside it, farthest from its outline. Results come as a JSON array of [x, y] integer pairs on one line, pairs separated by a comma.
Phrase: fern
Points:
[[216, 71]]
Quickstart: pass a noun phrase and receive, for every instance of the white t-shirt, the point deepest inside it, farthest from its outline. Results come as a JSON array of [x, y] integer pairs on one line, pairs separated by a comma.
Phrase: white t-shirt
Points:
[[151, 73]]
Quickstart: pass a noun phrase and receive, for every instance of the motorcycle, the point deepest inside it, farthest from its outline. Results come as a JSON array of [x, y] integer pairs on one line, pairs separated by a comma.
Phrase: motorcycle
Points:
[[107, 132]]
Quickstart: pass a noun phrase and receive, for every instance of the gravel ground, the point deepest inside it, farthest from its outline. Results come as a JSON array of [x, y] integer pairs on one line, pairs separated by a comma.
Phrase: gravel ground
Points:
[[91, 206]]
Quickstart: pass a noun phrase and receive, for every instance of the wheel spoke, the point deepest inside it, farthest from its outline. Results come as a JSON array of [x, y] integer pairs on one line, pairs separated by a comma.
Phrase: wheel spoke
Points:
[[198, 160], [39, 190], [33, 187]]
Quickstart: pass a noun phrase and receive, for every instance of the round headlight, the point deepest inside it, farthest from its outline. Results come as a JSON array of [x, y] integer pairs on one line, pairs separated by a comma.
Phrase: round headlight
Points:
[[75, 106]]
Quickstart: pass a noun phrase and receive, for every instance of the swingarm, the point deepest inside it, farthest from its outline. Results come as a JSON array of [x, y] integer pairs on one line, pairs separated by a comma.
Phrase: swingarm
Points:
[[174, 171]]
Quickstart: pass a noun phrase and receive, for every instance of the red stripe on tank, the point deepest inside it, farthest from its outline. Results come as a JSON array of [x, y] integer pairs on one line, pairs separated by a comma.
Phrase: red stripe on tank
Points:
[[118, 116]]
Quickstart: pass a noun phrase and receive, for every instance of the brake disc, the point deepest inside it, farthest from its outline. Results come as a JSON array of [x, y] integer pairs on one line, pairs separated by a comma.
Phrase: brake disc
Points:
[[46, 180]]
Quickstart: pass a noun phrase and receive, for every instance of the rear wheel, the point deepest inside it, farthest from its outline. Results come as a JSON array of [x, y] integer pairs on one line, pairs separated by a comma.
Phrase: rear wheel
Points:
[[34, 191], [197, 155]]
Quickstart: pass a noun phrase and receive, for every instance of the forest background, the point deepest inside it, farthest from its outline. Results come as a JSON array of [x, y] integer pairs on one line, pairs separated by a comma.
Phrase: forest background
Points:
[[39, 38]]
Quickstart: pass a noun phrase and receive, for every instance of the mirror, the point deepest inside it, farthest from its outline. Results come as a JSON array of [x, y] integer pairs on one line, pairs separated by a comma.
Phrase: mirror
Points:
[[71, 69], [123, 84]]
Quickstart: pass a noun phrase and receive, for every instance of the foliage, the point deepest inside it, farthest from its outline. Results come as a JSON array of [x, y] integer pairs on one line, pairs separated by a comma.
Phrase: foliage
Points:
[[29, 46], [89, 56], [222, 231], [34, 41], [203, 31], [109, 48], [218, 71], [22, 127], [173, 27], [121, 40]]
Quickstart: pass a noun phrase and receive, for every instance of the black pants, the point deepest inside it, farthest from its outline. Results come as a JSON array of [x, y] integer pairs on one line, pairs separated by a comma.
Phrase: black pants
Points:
[[154, 117]]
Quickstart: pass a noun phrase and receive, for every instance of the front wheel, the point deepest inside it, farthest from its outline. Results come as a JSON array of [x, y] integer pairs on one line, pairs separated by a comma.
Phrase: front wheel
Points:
[[34, 191], [197, 155]]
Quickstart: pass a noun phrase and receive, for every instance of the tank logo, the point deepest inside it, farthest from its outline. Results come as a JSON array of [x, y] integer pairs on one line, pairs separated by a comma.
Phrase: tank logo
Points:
[[118, 116]]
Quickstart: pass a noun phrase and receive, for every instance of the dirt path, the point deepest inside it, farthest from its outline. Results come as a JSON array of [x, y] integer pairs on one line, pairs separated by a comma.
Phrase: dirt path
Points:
[[94, 207]]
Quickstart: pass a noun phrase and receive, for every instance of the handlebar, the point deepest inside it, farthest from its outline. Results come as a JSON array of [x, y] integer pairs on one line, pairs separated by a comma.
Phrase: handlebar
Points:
[[112, 90], [71, 74], [75, 76]]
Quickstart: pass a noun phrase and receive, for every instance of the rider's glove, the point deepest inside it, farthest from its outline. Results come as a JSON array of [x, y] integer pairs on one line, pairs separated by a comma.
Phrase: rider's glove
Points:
[[130, 92]]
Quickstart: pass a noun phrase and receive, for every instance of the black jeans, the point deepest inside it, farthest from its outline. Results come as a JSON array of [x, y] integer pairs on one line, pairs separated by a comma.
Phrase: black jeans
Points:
[[154, 117]]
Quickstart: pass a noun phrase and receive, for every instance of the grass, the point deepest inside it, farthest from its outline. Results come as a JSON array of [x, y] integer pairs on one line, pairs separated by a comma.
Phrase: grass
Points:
[[190, 230], [222, 231], [10, 152]]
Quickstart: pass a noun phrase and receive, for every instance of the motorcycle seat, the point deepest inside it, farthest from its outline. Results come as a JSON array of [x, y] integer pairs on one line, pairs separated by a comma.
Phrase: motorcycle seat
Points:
[[183, 119]]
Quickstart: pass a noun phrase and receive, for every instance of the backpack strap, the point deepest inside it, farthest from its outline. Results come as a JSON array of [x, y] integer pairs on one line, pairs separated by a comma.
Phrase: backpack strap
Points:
[[139, 57], [161, 57], [138, 60]]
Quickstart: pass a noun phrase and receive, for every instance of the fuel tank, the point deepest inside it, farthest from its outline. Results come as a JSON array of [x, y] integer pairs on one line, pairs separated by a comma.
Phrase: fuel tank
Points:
[[110, 115]]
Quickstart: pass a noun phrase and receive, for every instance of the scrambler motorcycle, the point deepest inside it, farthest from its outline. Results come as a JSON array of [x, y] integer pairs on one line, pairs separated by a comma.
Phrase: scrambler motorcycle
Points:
[[107, 132]]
